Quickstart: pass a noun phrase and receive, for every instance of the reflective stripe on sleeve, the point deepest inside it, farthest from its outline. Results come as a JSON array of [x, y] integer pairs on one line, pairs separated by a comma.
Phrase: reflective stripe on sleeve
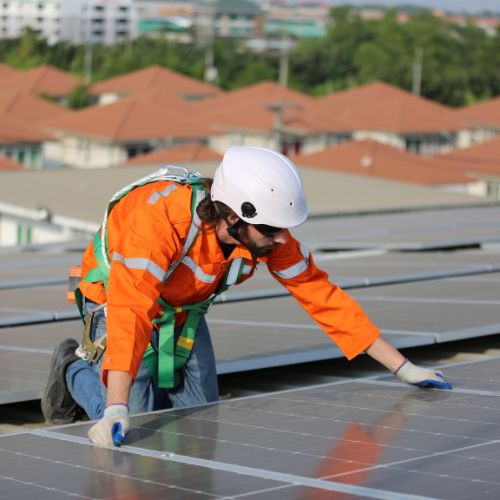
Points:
[[234, 270], [198, 272], [296, 269], [138, 263], [159, 194]]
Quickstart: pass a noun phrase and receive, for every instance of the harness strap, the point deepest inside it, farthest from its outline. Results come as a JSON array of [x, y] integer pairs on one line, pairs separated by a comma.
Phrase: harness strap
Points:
[[169, 358]]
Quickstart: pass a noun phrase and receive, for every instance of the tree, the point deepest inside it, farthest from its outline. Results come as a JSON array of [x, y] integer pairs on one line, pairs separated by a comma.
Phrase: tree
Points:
[[79, 97]]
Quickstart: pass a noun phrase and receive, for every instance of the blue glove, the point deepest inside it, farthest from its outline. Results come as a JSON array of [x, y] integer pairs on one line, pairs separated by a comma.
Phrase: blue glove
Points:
[[113, 427], [421, 377]]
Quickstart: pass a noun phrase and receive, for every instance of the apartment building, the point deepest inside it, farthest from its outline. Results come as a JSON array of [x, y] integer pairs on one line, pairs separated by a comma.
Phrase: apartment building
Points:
[[76, 21]]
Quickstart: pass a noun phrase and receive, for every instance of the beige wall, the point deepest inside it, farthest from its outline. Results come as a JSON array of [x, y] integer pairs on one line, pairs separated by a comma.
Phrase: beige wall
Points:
[[82, 152], [477, 188], [470, 137], [427, 145], [220, 143]]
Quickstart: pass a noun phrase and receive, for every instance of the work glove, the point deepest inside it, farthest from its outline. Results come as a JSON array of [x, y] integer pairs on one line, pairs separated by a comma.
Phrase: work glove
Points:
[[113, 427], [421, 377]]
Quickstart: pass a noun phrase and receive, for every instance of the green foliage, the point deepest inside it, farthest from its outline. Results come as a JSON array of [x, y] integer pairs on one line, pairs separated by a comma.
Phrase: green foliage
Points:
[[31, 51], [238, 66], [460, 64], [79, 97]]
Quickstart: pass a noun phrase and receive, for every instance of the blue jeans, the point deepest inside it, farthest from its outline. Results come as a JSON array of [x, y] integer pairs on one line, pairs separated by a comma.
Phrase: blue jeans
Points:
[[199, 385]]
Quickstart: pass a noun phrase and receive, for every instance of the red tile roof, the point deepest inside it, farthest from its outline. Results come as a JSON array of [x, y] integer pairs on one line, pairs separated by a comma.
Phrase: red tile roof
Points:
[[359, 97], [265, 92], [152, 78], [13, 131], [8, 164], [250, 108], [373, 159], [163, 98], [484, 113], [179, 154], [481, 158], [133, 118], [383, 107], [255, 116], [41, 80], [30, 108], [404, 115], [6, 71]]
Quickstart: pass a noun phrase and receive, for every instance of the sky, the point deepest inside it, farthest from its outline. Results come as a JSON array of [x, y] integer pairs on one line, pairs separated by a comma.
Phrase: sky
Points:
[[469, 6]]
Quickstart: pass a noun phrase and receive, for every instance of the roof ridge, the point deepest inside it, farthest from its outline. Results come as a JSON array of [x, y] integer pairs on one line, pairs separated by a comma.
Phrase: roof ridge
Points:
[[42, 71], [121, 125], [12, 101]]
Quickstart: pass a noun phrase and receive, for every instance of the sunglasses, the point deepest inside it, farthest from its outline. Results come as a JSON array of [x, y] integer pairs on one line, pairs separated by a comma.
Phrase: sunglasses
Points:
[[269, 231]]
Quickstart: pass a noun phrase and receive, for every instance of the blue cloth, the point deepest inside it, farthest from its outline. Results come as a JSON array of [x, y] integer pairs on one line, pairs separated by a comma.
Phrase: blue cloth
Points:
[[199, 383]]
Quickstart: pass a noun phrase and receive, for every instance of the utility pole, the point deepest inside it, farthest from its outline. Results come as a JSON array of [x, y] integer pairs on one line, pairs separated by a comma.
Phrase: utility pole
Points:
[[284, 61], [278, 109], [417, 71], [87, 59], [208, 38]]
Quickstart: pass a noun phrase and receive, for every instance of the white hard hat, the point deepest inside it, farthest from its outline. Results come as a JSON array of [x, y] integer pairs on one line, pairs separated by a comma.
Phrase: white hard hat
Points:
[[261, 186]]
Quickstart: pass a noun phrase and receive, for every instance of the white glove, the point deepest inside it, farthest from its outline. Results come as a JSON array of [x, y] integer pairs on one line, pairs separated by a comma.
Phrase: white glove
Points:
[[113, 427], [421, 377]]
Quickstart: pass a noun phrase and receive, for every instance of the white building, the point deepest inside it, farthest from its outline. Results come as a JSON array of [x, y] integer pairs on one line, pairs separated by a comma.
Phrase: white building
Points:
[[75, 21]]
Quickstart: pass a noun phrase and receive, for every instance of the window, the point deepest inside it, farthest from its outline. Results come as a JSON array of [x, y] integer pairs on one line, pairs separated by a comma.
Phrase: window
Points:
[[137, 149], [23, 234], [493, 190]]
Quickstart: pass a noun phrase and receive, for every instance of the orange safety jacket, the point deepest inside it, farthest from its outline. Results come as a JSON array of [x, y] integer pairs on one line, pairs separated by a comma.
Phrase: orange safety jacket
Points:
[[146, 233]]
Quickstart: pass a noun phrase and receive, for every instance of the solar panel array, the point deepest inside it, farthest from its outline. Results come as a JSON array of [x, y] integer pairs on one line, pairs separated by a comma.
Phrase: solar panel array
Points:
[[427, 297], [254, 334], [369, 438]]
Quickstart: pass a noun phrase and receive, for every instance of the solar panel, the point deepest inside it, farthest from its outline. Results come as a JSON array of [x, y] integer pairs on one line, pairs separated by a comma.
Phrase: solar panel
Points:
[[419, 230], [437, 311], [26, 269], [276, 332], [364, 438], [25, 354], [30, 305], [358, 270], [448, 308]]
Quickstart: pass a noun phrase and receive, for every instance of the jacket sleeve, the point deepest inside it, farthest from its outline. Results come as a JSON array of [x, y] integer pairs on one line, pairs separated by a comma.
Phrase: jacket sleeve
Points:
[[338, 314], [148, 242]]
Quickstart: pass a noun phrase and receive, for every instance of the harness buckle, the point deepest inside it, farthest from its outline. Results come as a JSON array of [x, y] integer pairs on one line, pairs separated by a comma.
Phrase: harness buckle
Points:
[[91, 350]]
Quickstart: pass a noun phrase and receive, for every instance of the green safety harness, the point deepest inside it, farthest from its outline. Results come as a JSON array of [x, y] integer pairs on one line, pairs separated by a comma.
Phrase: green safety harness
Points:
[[170, 356]]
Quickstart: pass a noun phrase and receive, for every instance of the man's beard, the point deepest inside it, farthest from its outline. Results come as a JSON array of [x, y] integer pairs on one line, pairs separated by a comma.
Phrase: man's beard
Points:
[[255, 250]]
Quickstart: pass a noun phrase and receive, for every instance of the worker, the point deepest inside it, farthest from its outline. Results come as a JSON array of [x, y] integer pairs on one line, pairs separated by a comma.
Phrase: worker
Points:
[[170, 246]]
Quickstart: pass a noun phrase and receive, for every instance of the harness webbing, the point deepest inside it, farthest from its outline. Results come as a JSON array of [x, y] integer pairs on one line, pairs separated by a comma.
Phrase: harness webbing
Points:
[[161, 363]]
